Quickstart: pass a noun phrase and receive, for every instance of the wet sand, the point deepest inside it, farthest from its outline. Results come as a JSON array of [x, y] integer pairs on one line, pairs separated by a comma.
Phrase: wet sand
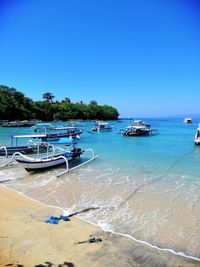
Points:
[[26, 240]]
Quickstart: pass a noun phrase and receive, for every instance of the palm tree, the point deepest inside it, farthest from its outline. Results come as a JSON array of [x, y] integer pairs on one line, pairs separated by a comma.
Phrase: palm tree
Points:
[[48, 97], [67, 100]]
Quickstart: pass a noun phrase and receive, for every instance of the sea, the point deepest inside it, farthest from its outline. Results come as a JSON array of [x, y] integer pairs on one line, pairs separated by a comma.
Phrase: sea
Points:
[[146, 188]]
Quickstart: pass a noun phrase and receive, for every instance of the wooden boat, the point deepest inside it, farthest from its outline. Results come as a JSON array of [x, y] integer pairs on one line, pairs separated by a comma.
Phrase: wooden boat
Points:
[[138, 128], [46, 162], [37, 164], [30, 148], [47, 128], [9, 151], [70, 132]]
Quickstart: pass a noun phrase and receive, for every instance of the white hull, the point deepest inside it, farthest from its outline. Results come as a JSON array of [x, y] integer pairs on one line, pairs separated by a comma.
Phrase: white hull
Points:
[[105, 130], [42, 164], [37, 164], [197, 141]]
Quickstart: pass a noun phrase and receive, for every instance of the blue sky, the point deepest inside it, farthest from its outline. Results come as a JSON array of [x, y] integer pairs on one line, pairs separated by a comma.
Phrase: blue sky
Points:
[[142, 57]]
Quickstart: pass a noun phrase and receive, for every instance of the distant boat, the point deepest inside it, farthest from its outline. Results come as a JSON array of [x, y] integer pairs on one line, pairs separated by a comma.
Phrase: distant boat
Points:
[[138, 128], [17, 123], [102, 127], [47, 127], [188, 120], [71, 132], [197, 136], [64, 131]]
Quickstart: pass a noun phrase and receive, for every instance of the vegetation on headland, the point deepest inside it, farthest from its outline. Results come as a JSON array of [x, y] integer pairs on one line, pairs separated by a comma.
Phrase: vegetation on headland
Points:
[[14, 105]]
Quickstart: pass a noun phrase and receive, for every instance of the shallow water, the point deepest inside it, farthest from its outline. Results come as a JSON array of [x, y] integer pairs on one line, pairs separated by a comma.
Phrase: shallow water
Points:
[[147, 187]]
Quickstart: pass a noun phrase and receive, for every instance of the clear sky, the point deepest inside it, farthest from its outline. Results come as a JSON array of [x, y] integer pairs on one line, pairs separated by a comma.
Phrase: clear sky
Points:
[[140, 56]]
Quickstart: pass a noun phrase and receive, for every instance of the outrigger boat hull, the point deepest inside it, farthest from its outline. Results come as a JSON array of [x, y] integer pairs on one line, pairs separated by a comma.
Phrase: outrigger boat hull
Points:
[[57, 136], [139, 132], [46, 163]]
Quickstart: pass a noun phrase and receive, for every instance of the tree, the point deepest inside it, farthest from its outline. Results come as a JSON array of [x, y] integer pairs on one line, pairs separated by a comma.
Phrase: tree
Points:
[[14, 105], [93, 102], [67, 100], [48, 97]]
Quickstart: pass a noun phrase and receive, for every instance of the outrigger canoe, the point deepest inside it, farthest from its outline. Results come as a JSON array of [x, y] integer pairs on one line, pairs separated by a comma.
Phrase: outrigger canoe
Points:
[[37, 164], [42, 163]]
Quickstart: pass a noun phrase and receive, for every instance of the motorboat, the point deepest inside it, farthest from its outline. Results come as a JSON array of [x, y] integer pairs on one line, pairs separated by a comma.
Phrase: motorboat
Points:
[[197, 136], [102, 127], [55, 159], [138, 128], [187, 120]]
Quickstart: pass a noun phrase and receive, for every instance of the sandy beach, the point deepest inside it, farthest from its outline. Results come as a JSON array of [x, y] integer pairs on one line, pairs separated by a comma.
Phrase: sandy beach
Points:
[[26, 240]]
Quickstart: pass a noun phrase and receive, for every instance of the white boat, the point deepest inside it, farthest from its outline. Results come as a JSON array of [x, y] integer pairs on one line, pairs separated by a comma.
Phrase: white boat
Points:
[[64, 131], [197, 136], [102, 127], [46, 127], [138, 128], [48, 161], [187, 120]]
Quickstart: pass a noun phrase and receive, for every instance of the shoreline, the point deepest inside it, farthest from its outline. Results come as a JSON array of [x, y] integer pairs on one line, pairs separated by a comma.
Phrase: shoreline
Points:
[[177, 253], [114, 250], [180, 253]]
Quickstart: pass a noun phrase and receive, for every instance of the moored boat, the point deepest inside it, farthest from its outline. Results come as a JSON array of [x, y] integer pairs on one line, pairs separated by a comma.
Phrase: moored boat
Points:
[[103, 127], [197, 136], [138, 128], [11, 124], [69, 132], [42, 163], [45, 162], [30, 148], [48, 128], [187, 120]]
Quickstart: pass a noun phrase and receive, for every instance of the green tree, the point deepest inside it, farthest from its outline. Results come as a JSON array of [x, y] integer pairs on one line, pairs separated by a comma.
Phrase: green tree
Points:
[[14, 105], [93, 102], [67, 100], [48, 97]]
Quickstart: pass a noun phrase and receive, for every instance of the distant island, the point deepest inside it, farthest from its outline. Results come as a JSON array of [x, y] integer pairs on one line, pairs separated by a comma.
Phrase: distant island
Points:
[[14, 105]]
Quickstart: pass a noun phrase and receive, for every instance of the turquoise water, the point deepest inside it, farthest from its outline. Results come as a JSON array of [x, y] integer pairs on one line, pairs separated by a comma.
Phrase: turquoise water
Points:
[[147, 187]]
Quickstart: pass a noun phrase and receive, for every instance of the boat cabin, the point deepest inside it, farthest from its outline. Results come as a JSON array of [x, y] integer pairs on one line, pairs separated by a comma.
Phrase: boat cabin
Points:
[[188, 120], [103, 126]]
